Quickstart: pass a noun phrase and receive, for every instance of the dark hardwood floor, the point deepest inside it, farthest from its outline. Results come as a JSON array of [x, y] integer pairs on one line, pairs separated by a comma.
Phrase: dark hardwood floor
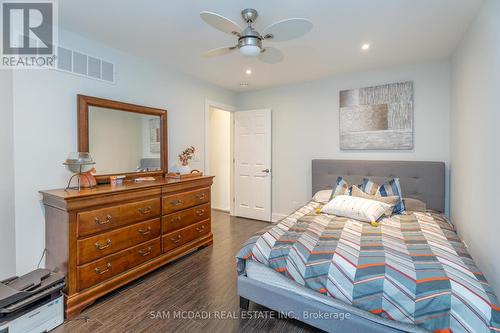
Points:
[[200, 284]]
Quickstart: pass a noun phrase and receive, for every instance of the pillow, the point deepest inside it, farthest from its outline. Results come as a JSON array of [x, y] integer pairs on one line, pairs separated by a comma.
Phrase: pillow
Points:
[[360, 209], [414, 204], [391, 201], [390, 188], [341, 187], [322, 196]]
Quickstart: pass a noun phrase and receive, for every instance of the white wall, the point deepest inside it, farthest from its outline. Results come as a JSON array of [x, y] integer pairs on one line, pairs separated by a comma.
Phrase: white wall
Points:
[[306, 125], [7, 224], [45, 125], [475, 139], [219, 141]]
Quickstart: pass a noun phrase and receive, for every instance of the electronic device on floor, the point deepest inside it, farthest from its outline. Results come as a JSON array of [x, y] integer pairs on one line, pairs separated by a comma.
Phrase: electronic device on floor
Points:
[[32, 303]]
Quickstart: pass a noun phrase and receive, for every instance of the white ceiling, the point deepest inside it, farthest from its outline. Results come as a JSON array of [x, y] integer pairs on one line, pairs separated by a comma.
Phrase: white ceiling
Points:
[[172, 33]]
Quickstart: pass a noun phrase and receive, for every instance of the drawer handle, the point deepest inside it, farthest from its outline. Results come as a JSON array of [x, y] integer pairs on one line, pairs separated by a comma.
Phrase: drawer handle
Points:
[[175, 219], [176, 240], [108, 220], [102, 247], [200, 229], [145, 232], [200, 212], [201, 196], [145, 210], [176, 202], [98, 270], [145, 252]]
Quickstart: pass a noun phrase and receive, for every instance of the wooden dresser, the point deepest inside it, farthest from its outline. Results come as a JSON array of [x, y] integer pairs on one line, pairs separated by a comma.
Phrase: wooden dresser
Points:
[[105, 237]]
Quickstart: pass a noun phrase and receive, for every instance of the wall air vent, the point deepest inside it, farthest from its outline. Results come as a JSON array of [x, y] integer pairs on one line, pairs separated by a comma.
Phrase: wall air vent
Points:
[[81, 64]]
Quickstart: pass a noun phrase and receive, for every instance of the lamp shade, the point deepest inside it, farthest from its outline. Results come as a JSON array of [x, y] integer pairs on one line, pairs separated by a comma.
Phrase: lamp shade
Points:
[[250, 50]]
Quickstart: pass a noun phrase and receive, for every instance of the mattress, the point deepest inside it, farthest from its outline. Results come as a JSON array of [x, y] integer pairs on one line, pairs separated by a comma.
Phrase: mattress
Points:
[[266, 275], [411, 268]]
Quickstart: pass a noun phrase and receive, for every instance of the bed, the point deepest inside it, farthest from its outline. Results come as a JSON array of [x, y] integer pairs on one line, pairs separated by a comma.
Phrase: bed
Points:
[[409, 274]]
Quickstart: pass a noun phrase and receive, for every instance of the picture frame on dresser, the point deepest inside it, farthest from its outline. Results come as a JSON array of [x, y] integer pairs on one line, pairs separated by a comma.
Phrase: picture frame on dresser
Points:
[[107, 236]]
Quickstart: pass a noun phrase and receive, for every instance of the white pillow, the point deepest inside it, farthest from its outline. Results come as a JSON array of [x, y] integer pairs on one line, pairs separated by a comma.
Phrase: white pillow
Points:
[[322, 196], [360, 209]]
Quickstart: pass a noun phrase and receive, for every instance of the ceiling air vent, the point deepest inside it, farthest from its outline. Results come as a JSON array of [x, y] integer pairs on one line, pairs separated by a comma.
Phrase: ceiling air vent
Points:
[[81, 64]]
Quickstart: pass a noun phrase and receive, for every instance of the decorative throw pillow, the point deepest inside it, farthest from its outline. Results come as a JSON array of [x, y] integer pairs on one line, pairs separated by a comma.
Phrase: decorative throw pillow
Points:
[[392, 201], [341, 187], [361, 209], [322, 196], [390, 188]]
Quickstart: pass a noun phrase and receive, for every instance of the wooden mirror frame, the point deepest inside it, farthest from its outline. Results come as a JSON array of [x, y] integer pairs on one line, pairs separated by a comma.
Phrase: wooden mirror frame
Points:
[[83, 131]]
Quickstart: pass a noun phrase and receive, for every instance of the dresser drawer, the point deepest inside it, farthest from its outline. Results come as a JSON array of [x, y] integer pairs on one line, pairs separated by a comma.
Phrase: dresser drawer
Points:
[[176, 202], [185, 218], [99, 220], [183, 236], [105, 268], [98, 246]]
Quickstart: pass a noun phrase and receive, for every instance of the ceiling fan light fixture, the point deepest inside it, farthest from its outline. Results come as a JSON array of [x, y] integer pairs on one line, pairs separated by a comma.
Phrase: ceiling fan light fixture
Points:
[[250, 46], [250, 40], [250, 50]]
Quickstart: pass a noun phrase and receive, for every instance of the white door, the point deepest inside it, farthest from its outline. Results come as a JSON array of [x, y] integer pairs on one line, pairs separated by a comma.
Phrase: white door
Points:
[[252, 158]]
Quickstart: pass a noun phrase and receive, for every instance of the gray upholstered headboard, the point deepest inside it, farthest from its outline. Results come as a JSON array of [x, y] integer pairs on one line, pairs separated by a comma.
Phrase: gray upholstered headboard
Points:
[[420, 180]]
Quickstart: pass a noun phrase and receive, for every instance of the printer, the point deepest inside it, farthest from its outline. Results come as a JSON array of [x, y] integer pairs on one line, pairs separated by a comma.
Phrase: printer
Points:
[[32, 303]]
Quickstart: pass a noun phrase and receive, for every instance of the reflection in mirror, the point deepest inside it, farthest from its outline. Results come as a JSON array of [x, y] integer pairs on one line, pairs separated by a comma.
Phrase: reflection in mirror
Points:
[[124, 142]]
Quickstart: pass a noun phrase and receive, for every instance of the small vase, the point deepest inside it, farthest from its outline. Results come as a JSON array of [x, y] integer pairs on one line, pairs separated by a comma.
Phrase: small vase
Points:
[[184, 169]]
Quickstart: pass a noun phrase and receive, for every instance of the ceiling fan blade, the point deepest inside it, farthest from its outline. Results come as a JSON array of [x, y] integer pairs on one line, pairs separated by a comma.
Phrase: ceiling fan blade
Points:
[[271, 55], [287, 29], [219, 51], [221, 23]]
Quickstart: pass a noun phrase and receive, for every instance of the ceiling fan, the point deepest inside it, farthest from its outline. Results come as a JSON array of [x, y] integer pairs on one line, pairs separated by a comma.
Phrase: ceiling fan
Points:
[[250, 40]]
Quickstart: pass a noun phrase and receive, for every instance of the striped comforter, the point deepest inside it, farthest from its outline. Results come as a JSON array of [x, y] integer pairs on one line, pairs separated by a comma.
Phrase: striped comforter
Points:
[[411, 268]]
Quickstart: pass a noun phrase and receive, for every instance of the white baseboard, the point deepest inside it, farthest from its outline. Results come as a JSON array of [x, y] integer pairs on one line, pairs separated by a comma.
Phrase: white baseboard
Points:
[[277, 216], [221, 209]]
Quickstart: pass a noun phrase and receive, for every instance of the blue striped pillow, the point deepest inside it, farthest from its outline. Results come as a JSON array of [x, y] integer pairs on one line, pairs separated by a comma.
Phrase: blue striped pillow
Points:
[[388, 189], [341, 187]]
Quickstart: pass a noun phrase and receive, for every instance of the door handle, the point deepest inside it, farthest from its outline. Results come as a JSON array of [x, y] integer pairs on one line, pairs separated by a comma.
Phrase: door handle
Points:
[[266, 171]]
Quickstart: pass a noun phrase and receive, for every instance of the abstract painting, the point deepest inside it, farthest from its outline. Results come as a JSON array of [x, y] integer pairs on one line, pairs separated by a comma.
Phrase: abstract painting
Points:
[[379, 117]]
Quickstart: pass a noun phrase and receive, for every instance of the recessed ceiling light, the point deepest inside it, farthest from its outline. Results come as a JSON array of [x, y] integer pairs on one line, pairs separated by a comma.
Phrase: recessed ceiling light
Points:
[[248, 71], [365, 47]]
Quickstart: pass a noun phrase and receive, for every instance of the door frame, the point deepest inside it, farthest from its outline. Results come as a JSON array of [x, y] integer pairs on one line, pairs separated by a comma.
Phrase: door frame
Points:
[[206, 165]]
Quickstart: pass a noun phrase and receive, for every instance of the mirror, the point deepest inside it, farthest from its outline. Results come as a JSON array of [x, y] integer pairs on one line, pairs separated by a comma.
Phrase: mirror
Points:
[[124, 142], [123, 139]]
